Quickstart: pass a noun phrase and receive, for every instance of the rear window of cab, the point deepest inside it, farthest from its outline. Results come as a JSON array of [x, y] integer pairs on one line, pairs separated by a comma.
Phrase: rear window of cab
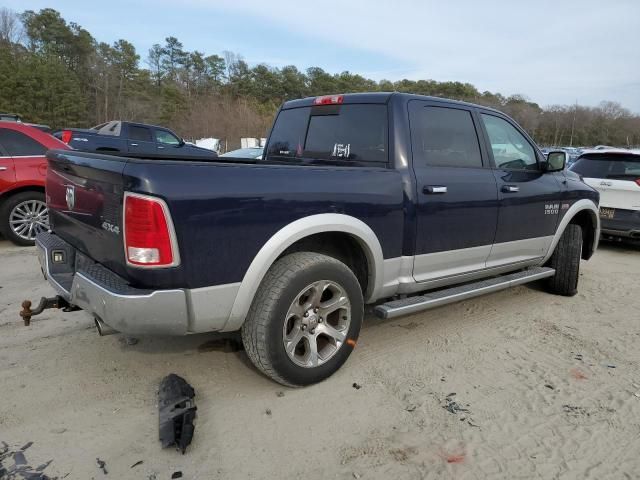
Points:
[[614, 167], [339, 134]]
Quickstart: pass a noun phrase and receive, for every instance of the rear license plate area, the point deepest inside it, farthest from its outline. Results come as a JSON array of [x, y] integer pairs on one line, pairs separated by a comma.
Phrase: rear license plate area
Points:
[[608, 213]]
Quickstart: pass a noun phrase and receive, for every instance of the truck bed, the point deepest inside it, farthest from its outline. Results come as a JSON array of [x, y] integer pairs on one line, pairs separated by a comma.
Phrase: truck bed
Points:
[[223, 212]]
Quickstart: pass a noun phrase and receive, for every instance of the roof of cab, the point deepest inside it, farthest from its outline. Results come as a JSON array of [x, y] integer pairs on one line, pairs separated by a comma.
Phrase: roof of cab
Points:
[[381, 97]]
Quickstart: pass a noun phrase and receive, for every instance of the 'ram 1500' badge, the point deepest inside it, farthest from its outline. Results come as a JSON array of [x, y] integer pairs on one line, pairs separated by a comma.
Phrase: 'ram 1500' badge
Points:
[[551, 208]]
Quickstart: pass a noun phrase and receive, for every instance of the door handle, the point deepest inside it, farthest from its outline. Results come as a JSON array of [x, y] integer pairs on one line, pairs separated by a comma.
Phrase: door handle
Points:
[[2, 169], [433, 189], [160, 148], [133, 144], [510, 189]]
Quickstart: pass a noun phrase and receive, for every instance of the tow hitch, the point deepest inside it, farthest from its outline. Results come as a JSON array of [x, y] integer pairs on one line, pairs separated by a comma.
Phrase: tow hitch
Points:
[[53, 302]]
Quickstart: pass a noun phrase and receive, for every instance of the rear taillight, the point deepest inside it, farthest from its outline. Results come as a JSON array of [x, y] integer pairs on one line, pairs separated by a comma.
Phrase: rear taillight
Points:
[[638, 181], [149, 238], [329, 100], [66, 136]]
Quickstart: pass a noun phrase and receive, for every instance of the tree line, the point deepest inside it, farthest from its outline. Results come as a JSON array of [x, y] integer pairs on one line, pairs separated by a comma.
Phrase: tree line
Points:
[[55, 72]]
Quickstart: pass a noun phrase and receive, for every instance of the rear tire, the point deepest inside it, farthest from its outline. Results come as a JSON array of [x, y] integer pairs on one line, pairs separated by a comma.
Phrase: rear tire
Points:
[[21, 211], [566, 262], [305, 299]]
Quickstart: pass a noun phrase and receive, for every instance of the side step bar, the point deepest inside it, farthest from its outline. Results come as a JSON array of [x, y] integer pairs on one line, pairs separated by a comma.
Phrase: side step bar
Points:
[[429, 300]]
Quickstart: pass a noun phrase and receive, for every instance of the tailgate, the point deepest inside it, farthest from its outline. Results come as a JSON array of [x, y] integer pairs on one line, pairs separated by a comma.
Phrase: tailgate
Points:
[[84, 195]]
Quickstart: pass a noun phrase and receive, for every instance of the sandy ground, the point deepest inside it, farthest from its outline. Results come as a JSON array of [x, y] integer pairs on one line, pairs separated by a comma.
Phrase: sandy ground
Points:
[[550, 385]]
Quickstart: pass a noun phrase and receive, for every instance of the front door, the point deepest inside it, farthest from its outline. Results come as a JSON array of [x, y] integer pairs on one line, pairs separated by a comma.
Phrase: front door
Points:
[[457, 206], [529, 197], [167, 143]]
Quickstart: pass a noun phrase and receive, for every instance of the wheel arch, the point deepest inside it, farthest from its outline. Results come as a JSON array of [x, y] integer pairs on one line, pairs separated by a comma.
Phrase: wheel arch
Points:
[[584, 213], [293, 237], [21, 189]]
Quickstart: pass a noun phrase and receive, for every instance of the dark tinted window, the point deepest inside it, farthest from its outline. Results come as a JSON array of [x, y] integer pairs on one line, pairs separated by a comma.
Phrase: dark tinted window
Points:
[[331, 132], [287, 136], [18, 144], [444, 137], [615, 167], [139, 133]]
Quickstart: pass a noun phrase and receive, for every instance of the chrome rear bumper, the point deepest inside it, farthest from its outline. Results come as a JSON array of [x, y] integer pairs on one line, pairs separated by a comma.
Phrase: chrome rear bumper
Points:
[[107, 296]]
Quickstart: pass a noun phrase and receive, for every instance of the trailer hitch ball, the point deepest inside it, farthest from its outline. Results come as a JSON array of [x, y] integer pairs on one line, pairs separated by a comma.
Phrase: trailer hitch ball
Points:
[[25, 313], [54, 302]]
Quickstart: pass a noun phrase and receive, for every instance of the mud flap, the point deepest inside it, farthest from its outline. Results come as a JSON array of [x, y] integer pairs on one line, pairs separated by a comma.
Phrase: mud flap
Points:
[[177, 411]]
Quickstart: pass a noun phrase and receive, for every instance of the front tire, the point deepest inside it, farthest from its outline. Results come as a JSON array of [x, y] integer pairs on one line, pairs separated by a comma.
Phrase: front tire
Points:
[[566, 262], [304, 320], [23, 216]]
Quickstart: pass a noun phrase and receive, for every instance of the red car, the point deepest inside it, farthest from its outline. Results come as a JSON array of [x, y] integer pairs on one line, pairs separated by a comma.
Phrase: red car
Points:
[[23, 166]]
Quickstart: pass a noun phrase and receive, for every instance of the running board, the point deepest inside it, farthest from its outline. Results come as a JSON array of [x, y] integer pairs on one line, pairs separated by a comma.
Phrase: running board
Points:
[[418, 303]]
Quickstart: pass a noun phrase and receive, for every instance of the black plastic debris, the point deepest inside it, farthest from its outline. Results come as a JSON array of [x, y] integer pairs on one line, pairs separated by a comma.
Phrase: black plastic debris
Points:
[[139, 462], [15, 466], [177, 411], [177, 474], [357, 386], [25, 446], [452, 406], [102, 465]]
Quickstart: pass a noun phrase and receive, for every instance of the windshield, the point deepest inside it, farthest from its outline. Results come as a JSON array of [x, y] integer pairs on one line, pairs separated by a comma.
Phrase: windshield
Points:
[[335, 133]]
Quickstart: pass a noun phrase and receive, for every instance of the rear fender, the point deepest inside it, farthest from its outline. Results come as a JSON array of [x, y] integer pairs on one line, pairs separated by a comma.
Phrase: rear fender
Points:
[[287, 236]]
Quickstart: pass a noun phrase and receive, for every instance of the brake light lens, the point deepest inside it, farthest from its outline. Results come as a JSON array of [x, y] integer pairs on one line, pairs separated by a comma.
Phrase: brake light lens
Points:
[[329, 100], [638, 181], [66, 136], [149, 239]]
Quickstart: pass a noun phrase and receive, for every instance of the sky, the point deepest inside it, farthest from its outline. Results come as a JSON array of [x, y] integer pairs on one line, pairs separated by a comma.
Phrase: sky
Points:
[[553, 52]]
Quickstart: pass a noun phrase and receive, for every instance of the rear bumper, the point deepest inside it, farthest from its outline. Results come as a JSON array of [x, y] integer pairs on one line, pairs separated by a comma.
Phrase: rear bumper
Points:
[[109, 297], [626, 223]]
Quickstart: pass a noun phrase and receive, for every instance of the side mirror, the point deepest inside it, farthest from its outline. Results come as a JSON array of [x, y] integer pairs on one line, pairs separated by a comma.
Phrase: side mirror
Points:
[[556, 161]]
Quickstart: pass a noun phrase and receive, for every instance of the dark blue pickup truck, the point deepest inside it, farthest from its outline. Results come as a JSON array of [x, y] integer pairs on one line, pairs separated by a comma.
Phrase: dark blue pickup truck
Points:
[[136, 140], [402, 201]]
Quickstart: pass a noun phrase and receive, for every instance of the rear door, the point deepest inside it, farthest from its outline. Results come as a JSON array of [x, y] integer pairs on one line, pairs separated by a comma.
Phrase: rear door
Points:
[[141, 142], [28, 164], [529, 198], [457, 197]]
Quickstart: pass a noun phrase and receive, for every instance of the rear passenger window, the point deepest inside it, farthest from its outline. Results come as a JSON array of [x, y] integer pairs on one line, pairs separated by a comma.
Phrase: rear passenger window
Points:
[[336, 133], [140, 133], [17, 144], [444, 137]]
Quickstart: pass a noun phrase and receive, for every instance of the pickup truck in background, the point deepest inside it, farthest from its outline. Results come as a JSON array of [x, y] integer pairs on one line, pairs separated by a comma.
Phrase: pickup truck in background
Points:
[[135, 140], [403, 201], [23, 167]]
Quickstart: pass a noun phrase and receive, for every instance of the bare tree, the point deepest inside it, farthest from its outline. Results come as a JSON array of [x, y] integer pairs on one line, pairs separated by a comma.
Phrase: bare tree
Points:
[[11, 30]]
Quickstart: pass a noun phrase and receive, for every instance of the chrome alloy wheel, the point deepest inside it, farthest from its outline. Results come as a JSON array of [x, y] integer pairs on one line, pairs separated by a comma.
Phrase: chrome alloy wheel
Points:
[[29, 218], [317, 323]]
